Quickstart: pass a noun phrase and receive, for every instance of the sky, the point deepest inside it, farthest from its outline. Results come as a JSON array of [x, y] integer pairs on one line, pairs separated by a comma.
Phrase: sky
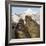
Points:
[[19, 10]]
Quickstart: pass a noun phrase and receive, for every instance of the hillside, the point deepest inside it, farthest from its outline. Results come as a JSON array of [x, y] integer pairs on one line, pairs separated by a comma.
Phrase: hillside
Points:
[[26, 25], [31, 29]]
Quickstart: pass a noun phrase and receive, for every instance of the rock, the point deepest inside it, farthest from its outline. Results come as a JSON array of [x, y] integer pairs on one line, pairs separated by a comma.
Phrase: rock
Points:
[[33, 27]]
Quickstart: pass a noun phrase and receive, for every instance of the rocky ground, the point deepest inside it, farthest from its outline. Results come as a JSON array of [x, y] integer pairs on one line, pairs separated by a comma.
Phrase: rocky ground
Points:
[[29, 30]]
